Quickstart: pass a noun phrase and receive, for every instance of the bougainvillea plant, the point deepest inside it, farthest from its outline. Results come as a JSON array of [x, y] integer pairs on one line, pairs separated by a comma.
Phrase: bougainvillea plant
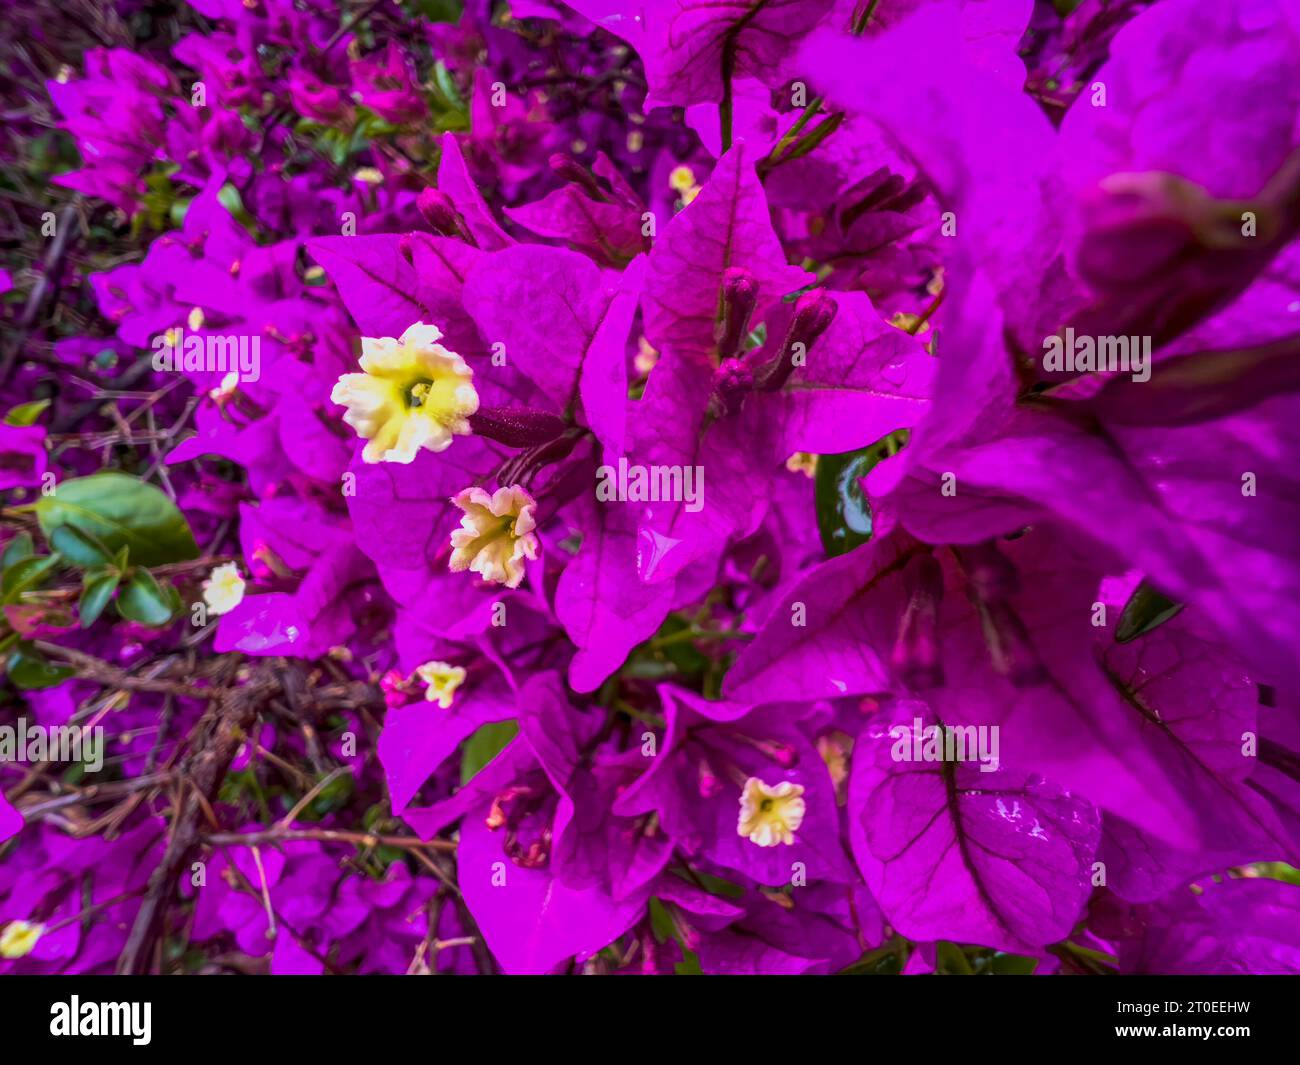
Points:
[[776, 486]]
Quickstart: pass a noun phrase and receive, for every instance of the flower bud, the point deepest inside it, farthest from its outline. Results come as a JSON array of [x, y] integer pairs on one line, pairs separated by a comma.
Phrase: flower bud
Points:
[[813, 315], [739, 297], [709, 784], [992, 576], [569, 169], [1010, 651], [916, 650], [516, 426], [732, 382], [440, 213]]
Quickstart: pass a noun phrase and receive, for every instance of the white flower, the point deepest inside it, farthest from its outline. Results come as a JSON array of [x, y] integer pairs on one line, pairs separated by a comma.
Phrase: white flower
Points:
[[227, 387], [496, 534], [18, 938], [441, 680], [413, 394], [770, 816], [224, 589]]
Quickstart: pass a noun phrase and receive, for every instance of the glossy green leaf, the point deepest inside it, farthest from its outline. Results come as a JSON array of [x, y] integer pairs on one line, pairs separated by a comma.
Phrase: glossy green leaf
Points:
[[79, 547], [20, 547], [122, 511], [29, 669], [96, 590], [144, 600], [26, 574], [843, 513]]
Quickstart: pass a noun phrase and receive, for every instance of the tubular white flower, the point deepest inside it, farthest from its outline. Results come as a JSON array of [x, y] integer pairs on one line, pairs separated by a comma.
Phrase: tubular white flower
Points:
[[441, 681], [770, 815], [413, 393], [496, 534]]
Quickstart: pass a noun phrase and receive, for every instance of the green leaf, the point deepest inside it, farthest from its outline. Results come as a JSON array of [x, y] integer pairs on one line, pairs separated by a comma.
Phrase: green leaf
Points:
[[333, 796], [489, 741], [883, 961], [144, 600], [714, 885], [664, 929], [689, 965], [122, 511], [80, 548], [26, 413], [843, 513], [1277, 871], [29, 669], [96, 590], [683, 653], [951, 960], [813, 139], [25, 575], [439, 10], [1146, 608], [660, 922], [1012, 965], [229, 198], [447, 85], [18, 548]]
